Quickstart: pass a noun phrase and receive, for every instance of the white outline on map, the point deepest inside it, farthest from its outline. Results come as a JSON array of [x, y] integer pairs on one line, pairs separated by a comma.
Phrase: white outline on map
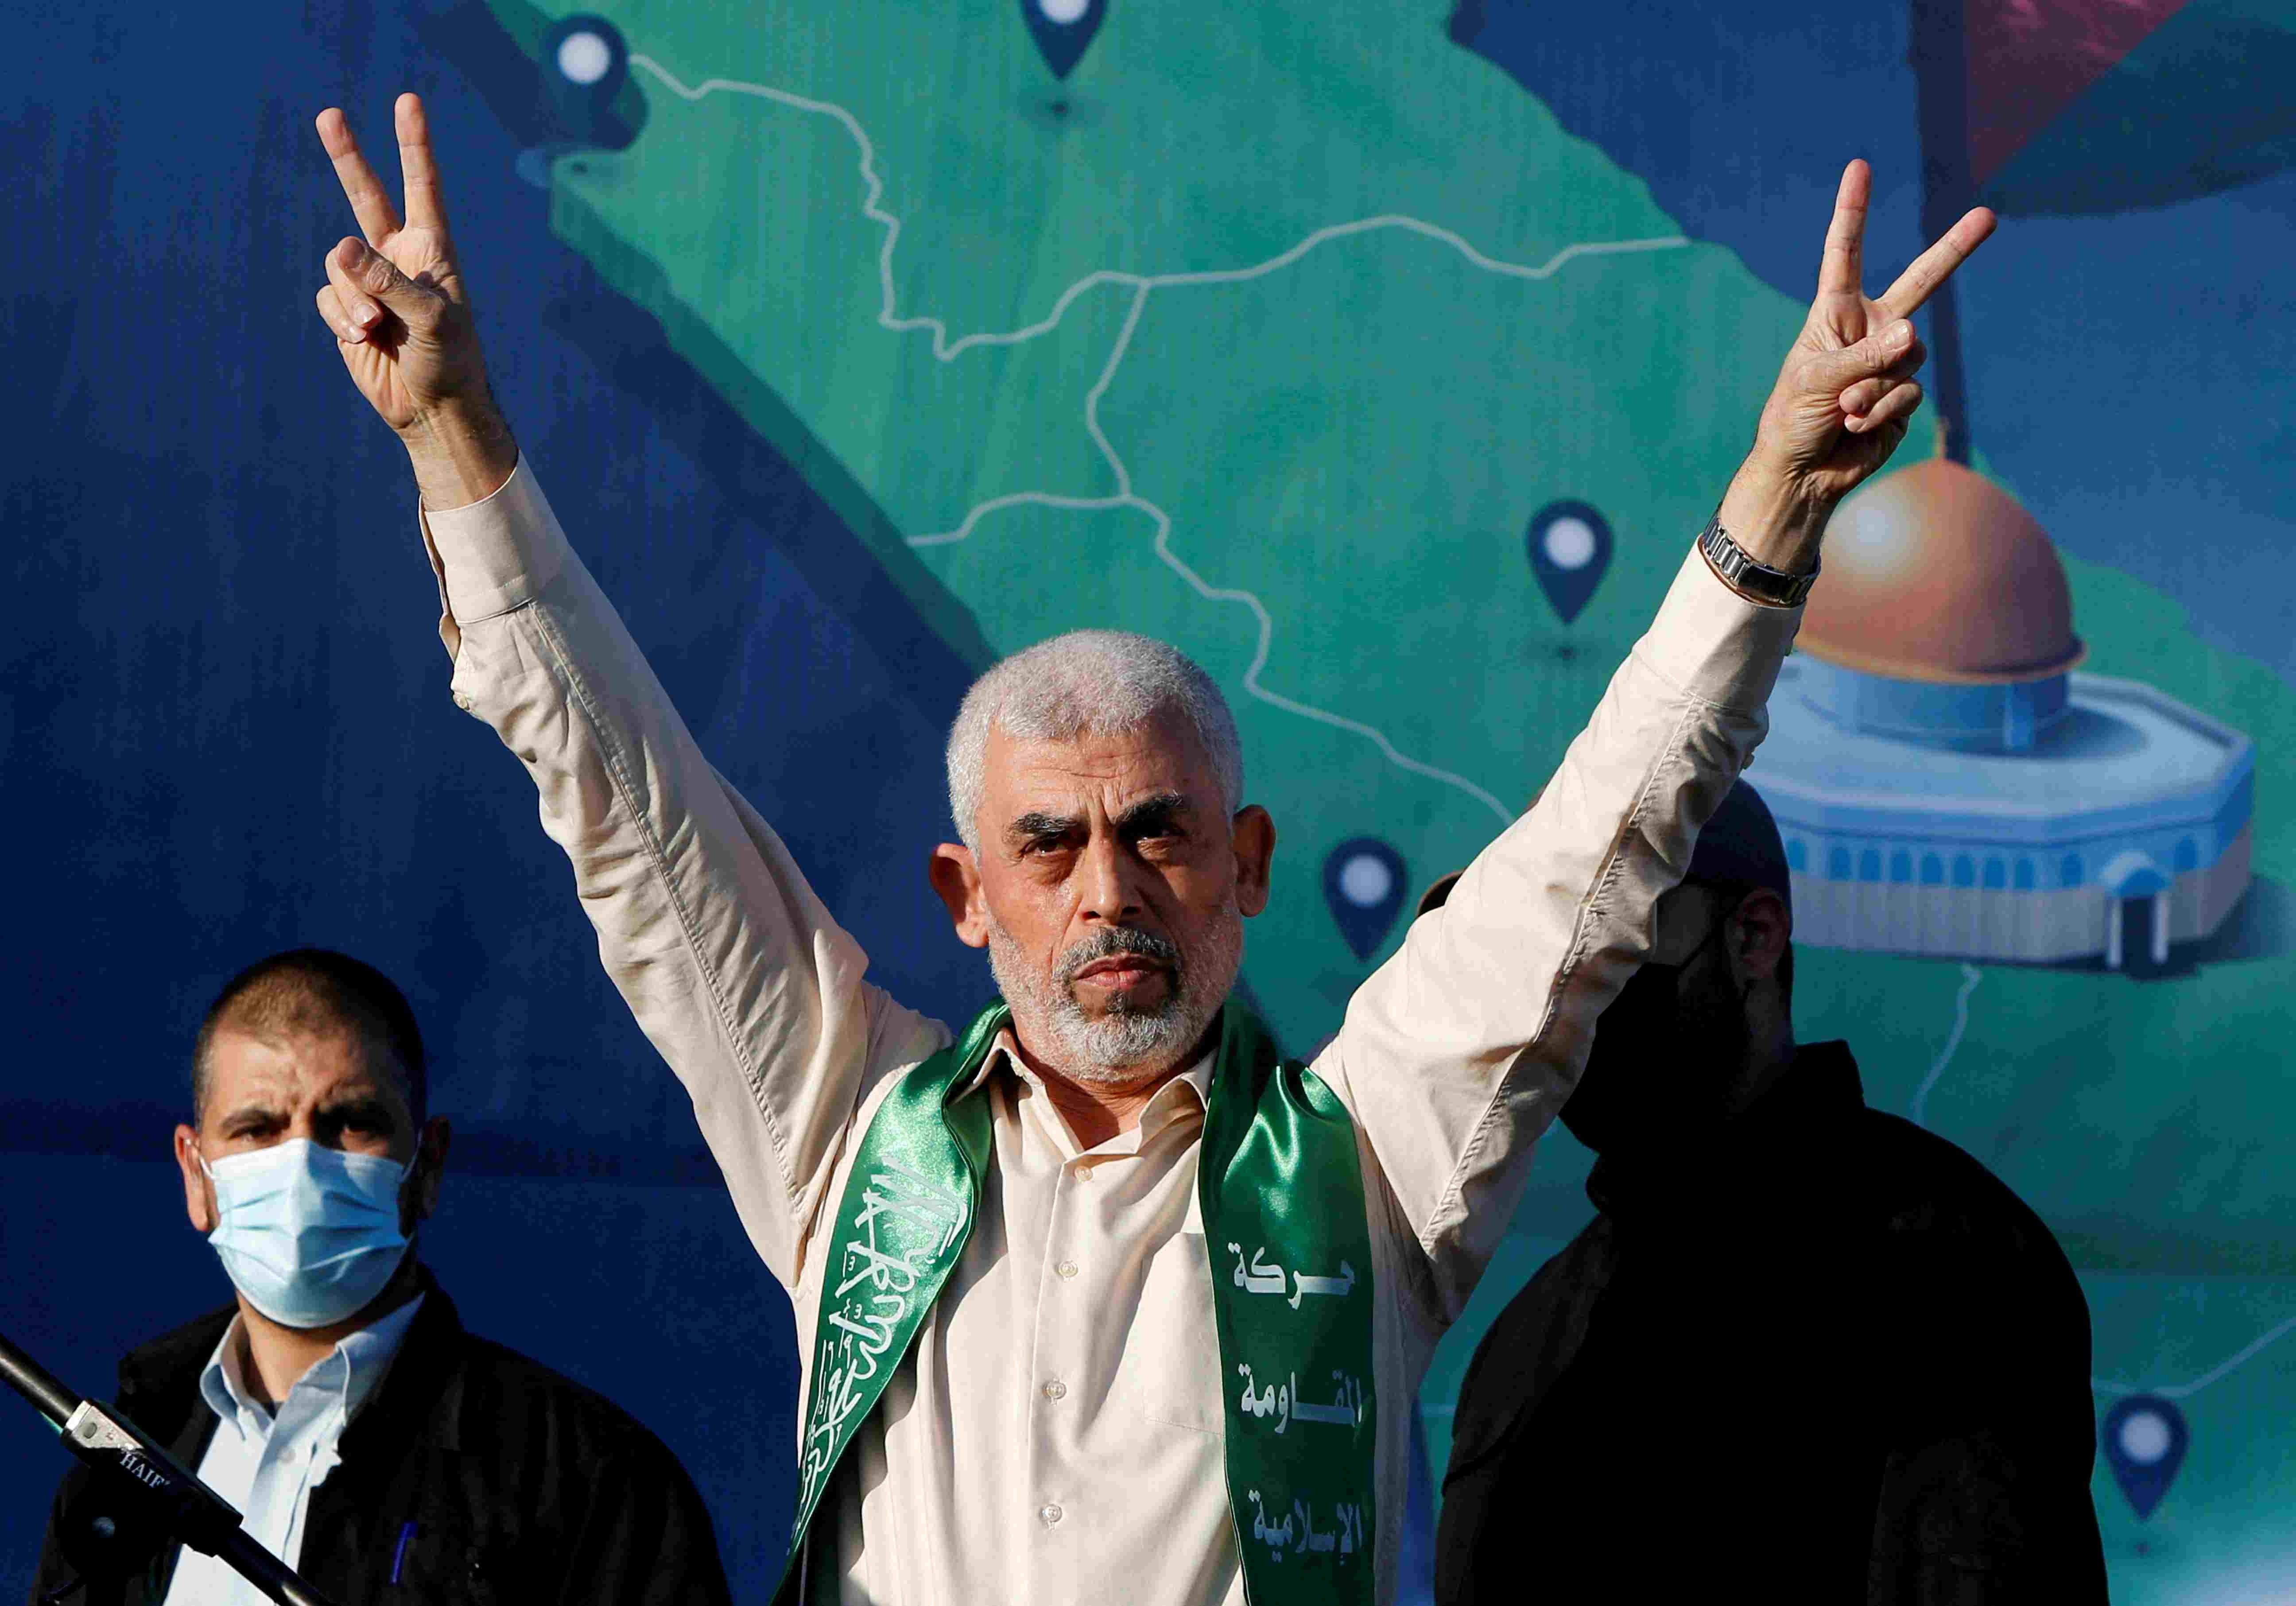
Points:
[[1970, 976], [2179, 1390], [945, 350]]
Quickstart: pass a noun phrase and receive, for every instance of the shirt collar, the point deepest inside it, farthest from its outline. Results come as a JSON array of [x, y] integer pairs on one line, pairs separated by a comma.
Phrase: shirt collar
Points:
[[1196, 1080], [352, 1368]]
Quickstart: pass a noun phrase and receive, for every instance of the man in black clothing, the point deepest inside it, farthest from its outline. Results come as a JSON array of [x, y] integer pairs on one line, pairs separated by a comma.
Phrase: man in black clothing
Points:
[[1807, 1351], [367, 1439], [471, 1475]]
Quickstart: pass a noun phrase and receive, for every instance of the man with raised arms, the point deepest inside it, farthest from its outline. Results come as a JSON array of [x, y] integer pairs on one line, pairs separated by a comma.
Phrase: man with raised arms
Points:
[[1097, 1300]]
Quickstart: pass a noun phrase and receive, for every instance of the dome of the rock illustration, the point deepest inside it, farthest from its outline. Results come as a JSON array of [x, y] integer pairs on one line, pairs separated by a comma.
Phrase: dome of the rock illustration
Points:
[[1936, 574], [1946, 782]]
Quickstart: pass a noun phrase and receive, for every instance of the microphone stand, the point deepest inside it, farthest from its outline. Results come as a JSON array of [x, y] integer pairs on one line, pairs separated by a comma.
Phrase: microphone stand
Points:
[[162, 1492]]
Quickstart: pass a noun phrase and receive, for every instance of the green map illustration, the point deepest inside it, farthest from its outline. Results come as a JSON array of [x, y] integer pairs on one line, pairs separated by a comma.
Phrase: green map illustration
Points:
[[1268, 339]]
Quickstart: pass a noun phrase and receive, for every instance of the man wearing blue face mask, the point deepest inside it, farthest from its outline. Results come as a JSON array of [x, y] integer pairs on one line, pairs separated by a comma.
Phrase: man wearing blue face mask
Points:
[[367, 1440]]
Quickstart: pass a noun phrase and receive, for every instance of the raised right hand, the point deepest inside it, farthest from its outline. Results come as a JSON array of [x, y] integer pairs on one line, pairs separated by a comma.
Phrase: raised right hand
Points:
[[401, 318]]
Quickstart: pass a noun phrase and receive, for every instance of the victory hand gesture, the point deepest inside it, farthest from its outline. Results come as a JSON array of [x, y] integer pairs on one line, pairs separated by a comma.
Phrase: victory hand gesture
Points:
[[401, 318], [1845, 390]]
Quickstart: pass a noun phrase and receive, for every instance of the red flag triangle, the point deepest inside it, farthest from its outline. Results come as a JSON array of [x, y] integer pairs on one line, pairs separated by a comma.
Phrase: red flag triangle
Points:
[[2029, 59]]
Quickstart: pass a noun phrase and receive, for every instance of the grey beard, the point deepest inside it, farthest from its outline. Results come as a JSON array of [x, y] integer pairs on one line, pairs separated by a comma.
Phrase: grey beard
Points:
[[1125, 1045]]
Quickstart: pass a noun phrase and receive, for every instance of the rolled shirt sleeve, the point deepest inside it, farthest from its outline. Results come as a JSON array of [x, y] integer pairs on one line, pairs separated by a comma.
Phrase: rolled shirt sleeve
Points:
[[735, 971], [1458, 1051]]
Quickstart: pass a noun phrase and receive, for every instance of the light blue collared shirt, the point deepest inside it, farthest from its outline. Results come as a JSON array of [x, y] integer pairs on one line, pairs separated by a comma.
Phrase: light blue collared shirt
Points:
[[265, 1463]]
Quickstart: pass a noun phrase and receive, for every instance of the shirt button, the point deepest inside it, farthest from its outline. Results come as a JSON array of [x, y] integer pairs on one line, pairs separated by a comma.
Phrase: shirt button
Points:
[[1067, 1268], [1057, 1389], [1049, 1513]]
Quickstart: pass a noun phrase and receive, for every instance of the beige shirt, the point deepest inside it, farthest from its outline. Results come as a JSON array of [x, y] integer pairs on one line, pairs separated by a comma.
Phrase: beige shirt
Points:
[[1056, 1433]]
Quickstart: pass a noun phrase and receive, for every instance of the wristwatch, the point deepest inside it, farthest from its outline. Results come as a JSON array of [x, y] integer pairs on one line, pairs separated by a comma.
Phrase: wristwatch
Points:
[[1741, 574]]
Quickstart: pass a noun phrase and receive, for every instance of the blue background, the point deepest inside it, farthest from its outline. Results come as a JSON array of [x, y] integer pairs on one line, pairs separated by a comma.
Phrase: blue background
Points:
[[225, 714]]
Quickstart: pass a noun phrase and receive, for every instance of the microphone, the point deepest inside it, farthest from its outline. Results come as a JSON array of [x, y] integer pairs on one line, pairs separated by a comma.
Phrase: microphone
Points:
[[138, 1496]]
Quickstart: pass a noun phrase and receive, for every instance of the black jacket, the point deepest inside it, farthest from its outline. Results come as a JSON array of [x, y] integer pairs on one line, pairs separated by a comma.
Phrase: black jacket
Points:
[[1829, 1357], [519, 1485]]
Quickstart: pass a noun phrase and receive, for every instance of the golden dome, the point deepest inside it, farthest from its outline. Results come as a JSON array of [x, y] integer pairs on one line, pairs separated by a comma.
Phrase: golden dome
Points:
[[1934, 573]]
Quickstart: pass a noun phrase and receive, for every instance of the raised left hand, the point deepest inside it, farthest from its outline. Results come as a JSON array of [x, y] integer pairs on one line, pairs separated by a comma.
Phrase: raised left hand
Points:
[[1846, 391]]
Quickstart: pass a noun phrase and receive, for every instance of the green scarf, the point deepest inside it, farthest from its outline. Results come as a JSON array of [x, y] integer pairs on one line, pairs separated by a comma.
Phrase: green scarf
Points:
[[1281, 1190]]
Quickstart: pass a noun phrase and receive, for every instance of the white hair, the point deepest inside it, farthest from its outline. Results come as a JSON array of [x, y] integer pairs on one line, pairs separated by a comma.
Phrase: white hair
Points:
[[1101, 682]]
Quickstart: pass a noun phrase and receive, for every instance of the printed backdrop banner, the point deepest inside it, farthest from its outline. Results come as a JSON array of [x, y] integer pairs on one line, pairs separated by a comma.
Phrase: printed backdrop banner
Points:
[[2102, 105], [1384, 356]]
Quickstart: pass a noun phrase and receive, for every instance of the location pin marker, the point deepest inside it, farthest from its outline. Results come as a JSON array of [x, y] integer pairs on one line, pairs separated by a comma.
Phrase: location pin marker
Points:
[[584, 63], [2145, 1439], [1364, 882], [1063, 29], [1569, 553]]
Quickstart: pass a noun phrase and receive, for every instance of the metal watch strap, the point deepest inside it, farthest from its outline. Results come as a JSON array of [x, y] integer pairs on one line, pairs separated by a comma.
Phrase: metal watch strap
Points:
[[1740, 573]]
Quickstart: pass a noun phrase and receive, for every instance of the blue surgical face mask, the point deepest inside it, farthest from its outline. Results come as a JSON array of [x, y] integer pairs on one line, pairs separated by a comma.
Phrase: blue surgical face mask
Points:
[[309, 1234]]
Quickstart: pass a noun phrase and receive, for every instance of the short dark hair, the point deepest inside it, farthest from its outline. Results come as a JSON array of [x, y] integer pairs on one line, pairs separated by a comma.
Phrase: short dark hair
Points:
[[1729, 894], [319, 992]]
